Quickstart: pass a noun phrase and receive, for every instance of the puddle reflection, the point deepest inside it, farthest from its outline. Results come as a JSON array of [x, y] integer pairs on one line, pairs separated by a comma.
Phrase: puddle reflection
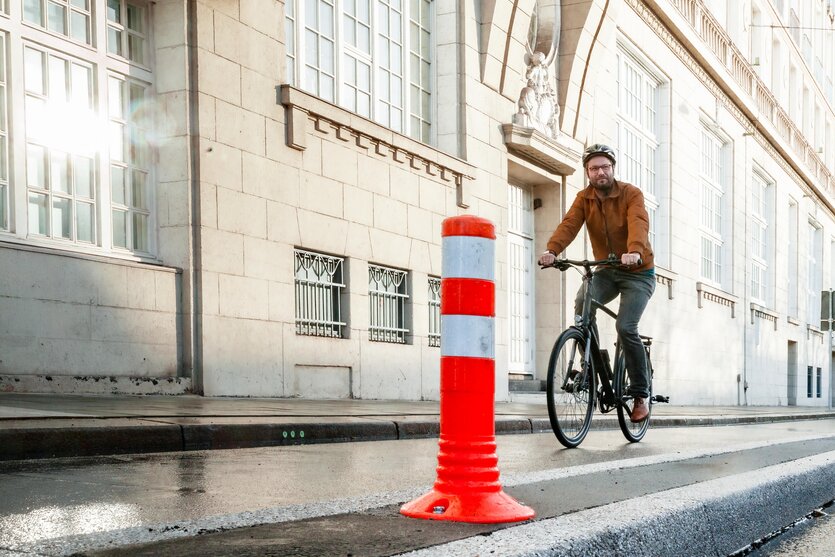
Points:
[[54, 522]]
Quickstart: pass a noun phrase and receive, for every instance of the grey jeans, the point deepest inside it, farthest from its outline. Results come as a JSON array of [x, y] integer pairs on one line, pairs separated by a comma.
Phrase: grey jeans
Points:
[[635, 291]]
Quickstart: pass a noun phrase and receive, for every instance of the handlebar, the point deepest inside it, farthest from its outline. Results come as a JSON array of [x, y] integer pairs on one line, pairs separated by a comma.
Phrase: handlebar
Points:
[[564, 264]]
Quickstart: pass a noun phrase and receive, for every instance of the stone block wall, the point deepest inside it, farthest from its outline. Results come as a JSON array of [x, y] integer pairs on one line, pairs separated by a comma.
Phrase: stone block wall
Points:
[[76, 316]]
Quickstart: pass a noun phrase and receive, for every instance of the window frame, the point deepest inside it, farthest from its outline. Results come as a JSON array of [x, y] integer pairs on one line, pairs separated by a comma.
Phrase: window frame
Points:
[[133, 161], [793, 259], [434, 306], [126, 32], [412, 113], [19, 35], [818, 382], [814, 272], [714, 211], [335, 325], [386, 323], [51, 150], [6, 164], [762, 221], [70, 9]]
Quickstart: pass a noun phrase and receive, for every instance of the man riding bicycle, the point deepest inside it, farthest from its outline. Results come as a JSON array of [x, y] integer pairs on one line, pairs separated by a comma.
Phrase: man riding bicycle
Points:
[[617, 223]]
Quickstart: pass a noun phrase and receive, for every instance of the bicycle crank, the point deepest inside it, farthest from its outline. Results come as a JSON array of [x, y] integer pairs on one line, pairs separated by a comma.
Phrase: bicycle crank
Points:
[[605, 402]]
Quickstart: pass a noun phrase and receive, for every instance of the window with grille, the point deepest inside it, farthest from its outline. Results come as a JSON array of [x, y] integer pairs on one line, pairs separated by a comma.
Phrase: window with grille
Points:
[[387, 293], [78, 185], [319, 293], [434, 311], [372, 57], [809, 381], [712, 210], [761, 229], [639, 136]]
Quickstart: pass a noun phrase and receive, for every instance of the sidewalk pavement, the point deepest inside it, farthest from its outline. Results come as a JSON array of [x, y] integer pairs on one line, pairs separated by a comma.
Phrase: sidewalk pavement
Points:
[[34, 426]]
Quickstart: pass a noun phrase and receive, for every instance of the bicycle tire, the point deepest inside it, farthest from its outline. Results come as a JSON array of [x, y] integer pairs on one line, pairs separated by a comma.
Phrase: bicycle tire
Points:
[[633, 432], [570, 389]]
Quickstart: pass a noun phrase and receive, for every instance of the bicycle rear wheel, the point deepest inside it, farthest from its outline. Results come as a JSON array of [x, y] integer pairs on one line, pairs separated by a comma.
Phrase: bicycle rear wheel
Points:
[[570, 389], [633, 432]]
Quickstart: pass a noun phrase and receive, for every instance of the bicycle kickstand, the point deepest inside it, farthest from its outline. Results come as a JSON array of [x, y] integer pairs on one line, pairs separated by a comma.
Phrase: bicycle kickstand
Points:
[[660, 398]]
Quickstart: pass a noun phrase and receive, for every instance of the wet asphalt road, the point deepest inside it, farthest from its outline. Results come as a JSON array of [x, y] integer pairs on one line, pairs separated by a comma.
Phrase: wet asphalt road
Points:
[[55, 506]]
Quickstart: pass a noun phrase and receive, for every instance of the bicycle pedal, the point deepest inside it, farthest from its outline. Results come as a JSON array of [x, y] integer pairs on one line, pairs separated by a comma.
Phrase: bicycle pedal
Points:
[[661, 398]]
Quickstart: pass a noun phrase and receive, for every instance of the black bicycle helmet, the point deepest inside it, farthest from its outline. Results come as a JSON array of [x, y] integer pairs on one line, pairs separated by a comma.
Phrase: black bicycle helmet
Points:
[[596, 150]]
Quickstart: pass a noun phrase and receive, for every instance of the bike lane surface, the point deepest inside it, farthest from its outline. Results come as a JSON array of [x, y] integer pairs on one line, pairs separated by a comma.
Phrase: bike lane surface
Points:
[[335, 514]]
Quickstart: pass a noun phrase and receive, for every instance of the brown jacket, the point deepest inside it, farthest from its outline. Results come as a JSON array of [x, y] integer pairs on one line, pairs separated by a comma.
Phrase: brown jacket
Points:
[[626, 224]]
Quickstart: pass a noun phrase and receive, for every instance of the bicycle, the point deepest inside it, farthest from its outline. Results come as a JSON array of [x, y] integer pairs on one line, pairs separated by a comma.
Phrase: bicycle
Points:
[[578, 365]]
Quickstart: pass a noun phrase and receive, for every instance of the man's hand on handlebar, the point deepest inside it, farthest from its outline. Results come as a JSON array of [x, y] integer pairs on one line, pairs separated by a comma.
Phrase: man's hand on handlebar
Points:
[[630, 259], [547, 259]]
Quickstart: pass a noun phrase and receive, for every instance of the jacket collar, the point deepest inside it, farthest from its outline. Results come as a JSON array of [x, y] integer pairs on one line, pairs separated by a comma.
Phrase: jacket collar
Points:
[[591, 193]]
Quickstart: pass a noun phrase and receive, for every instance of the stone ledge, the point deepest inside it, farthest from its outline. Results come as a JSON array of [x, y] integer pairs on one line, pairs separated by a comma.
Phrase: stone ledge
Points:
[[327, 118], [764, 313], [562, 155], [706, 292], [94, 384], [666, 278]]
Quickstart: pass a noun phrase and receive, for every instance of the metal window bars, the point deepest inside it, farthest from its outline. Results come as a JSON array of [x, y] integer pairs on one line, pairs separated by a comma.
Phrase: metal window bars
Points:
[[387, 298], [434, 311], [319, 288]]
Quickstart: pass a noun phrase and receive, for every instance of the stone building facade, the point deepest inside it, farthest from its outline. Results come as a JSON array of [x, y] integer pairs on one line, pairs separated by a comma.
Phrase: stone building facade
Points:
[[244, 197]]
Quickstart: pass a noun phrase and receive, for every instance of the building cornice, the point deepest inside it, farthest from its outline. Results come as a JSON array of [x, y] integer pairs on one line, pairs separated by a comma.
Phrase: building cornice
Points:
[[329, 119], [687, 29]]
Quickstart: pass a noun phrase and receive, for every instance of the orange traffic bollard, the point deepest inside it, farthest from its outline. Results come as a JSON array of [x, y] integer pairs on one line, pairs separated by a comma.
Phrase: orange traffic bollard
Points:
[[467, 487]]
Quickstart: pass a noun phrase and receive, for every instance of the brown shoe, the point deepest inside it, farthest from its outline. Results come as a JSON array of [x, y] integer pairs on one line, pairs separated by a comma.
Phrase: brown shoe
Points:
[[640, 410]]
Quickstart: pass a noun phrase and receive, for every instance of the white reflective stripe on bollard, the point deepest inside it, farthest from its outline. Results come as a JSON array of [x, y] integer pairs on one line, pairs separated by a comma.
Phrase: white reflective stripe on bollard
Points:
[[467, 257], [469, 336]]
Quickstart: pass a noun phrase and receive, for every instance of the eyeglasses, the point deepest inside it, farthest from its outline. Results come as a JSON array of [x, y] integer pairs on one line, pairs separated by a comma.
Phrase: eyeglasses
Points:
[[596, 169]]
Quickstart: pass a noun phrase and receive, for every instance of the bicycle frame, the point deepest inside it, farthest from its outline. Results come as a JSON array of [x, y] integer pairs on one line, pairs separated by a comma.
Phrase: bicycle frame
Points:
[[588, 329]]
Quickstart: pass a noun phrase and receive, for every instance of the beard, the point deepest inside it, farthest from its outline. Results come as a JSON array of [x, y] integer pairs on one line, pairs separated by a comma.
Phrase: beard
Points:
[[603, 182]]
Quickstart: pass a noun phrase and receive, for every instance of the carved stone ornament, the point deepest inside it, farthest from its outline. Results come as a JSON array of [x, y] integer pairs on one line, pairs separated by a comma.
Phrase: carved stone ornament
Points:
[[538, 104]]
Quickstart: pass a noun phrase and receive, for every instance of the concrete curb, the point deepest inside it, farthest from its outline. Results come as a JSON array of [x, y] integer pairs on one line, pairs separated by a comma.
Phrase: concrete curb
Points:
[[40, 439], [716, 517]]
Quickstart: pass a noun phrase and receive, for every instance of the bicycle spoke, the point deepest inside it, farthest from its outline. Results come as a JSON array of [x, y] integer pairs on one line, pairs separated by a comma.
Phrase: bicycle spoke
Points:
[[570, 390]]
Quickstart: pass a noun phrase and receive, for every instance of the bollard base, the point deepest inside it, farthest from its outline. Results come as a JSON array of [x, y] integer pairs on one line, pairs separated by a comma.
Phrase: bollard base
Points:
[[482, 508]]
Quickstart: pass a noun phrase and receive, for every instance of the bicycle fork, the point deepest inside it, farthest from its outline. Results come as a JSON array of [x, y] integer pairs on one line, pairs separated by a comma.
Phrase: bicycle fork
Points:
[[577, 380]]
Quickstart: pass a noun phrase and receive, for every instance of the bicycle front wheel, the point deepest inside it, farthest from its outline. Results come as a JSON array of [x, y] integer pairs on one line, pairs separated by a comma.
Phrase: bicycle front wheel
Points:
[[570, 389], [633, 432]]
